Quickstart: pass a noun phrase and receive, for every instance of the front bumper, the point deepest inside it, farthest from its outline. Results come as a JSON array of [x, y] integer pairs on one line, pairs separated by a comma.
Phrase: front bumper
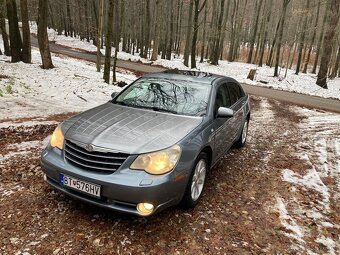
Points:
[[121, 190]]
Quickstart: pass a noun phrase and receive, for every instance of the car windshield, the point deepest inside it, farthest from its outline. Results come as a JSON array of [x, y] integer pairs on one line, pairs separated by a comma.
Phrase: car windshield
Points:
[[175, 96]]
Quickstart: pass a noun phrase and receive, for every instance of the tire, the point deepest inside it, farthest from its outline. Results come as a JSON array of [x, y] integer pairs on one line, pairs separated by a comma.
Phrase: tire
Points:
[[195, 186], [243, 136]]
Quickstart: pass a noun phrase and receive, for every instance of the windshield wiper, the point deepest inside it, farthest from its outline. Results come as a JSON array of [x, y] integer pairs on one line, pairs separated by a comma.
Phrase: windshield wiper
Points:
[[158, 109], [154, 108], [120, 103]]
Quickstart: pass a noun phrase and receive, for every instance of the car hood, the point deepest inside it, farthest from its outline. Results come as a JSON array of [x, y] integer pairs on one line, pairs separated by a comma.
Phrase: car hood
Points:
[[127, 129]]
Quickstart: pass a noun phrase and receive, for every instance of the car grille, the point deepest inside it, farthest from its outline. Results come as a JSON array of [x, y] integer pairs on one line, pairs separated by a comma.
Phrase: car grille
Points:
[[93, 160]]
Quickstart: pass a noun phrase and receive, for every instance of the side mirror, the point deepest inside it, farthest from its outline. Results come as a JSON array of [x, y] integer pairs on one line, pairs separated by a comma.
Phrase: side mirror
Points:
[[224, 112], [114, 94]]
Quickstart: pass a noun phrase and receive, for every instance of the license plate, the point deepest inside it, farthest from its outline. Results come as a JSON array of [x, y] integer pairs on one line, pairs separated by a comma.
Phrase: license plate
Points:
[[83, 186]]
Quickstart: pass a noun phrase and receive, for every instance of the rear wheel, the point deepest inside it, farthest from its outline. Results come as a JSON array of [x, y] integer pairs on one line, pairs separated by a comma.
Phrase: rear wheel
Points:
[[196, 182], [243, 137]]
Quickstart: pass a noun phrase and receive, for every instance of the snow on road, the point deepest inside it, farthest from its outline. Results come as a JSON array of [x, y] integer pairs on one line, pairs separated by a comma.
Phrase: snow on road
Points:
[[302, 83]]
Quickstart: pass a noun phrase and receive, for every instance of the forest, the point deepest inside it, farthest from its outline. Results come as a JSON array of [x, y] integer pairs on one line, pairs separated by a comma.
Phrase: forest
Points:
[[303, 35]]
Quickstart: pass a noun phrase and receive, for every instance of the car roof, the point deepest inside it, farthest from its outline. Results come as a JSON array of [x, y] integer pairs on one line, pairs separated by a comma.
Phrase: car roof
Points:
[[188, 75]]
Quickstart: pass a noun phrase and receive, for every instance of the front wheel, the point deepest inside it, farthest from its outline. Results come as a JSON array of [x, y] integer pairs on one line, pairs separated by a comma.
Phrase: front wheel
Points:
[[196, 182], [243, 137]]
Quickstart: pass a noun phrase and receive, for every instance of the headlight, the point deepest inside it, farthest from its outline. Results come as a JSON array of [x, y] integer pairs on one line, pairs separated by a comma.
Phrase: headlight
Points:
[[57, 138], [159, 162]]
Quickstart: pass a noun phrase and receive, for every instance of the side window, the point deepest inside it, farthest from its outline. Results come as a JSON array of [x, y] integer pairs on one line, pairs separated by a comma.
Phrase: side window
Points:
[[235, 92], [222, 97]]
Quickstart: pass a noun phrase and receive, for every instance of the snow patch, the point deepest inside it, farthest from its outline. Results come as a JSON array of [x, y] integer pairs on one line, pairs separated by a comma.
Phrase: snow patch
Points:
[[329, 243], [311, 181], [321, 149], [288, 222], [22, 148], [72, 86]]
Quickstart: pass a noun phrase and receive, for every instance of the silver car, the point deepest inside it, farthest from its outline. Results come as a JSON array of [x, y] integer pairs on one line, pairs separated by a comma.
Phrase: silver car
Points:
[[152, 145]]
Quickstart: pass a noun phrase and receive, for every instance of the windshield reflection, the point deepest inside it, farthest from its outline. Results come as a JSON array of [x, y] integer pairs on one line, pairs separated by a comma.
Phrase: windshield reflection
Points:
[[174, 96]]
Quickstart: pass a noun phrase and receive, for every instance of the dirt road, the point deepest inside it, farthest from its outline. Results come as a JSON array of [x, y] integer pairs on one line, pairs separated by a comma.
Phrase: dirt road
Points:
[[278, 195], [295, 98]]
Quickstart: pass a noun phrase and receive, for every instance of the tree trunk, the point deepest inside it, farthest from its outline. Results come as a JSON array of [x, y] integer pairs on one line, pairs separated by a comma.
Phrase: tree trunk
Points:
[[7, 49], [236, 42], [42, 35], [336, 65], [333, 10], [117, 39], [271, 52], [318, 51], [14, 32], [197, 12], [283, 17], [313, 39], [255, 28], [265, 37], [157, 31], [216, 45], [302, 41], [108, 42], [99, 34], [188, 35], [171, 35], [146, 41], [70, 28], [224, 31], [26, 35], [87, 25], [178, 26], [204, 33]]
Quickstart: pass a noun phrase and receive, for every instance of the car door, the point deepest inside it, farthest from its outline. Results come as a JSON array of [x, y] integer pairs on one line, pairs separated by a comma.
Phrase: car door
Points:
[[223, 135], [237, 105]]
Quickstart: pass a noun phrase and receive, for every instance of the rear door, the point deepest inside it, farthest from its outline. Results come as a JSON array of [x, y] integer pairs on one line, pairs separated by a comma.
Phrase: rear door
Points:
[[236, 102]]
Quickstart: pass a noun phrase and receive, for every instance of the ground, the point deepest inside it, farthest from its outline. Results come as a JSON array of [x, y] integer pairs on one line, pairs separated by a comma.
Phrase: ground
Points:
[[277, 195], [280, 194]]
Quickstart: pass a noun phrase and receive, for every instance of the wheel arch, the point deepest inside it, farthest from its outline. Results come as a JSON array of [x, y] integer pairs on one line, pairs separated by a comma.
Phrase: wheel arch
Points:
[[208, 151]]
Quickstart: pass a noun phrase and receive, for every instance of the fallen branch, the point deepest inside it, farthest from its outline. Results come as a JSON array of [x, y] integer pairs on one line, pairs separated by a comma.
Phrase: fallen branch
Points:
[[79, 96], [77, 75]]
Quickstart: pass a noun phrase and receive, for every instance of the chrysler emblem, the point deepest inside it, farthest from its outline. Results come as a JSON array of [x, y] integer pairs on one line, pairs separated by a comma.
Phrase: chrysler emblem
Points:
[[89, 147]]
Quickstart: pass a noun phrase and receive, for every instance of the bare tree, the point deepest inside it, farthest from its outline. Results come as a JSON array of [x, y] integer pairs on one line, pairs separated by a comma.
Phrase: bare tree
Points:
[[108, 43], [204, 34], [188, 35], [197, 11], [318, 51], [336, 67], [302, 39], [14, 33], [7, 49], [282, 23], [99, 34], [154, 55], [26, 35], [333, 10], [42, 35], [116, 41], [215, 51], [313, 38], [255, 28]]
